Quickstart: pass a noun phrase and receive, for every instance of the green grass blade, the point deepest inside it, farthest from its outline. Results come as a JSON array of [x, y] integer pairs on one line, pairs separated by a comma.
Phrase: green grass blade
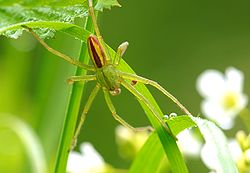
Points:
[[153, 149], [72, 112], [180, 123]]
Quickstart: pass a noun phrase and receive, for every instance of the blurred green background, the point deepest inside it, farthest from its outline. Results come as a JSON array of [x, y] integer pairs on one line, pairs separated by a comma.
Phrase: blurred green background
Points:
[[171, 42]]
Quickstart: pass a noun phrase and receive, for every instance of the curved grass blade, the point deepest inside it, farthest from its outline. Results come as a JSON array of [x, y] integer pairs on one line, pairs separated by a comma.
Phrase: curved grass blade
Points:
[[149, 158], [212, 134], [153, 149], [73, 107]]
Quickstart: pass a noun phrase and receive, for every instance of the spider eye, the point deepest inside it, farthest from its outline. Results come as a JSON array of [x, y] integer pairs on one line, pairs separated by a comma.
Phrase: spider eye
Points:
[[116, 91]]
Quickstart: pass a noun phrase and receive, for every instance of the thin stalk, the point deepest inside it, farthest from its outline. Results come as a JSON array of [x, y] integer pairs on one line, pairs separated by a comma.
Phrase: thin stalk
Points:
[[73, 109]]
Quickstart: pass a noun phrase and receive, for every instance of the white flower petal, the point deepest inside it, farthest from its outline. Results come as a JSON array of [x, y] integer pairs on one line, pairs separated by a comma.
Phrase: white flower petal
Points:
[[75, 163], [214, 111], [242, 103], [211, 108], [234, 79], [210, 83], [223, 96], [225, 123], [235, 149], [187, 139], [209, 158], [91, 156], [88, 161]]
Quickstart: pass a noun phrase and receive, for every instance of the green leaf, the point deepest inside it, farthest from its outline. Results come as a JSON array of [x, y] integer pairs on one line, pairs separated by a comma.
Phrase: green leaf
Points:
[[12, 16], [102, 4], [43, 2], [180, 123], [217, 142], [153, 149], [74, 101], [149, 158]]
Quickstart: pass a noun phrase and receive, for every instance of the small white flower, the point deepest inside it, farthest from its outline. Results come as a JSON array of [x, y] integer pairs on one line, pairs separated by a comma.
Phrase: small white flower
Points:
[[88, 161], [188, 143], [223, 95]]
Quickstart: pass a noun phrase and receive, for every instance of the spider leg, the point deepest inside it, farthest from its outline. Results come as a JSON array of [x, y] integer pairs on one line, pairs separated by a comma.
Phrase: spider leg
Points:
[[119, 53], [143, 99], [84, 78], [57, 53], [143, 80], [92, 14], [84, 113], [118, 118]]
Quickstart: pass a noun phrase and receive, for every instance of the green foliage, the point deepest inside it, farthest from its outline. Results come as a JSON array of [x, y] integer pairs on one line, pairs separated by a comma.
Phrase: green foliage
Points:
[[37, 13], [44, 2], [14, 16]]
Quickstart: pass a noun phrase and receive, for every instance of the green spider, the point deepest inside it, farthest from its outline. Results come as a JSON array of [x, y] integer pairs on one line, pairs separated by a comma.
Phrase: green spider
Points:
[[108, 77]]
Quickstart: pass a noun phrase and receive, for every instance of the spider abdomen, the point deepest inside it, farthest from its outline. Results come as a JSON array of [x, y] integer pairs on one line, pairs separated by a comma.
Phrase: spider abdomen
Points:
[[96, 52]]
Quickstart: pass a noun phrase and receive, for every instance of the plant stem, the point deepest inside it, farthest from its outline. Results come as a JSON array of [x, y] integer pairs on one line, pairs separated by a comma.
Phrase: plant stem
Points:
[[73, 109]]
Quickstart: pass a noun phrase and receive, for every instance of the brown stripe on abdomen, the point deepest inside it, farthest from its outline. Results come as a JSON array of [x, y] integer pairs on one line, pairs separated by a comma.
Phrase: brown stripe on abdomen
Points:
[[96, 52]]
